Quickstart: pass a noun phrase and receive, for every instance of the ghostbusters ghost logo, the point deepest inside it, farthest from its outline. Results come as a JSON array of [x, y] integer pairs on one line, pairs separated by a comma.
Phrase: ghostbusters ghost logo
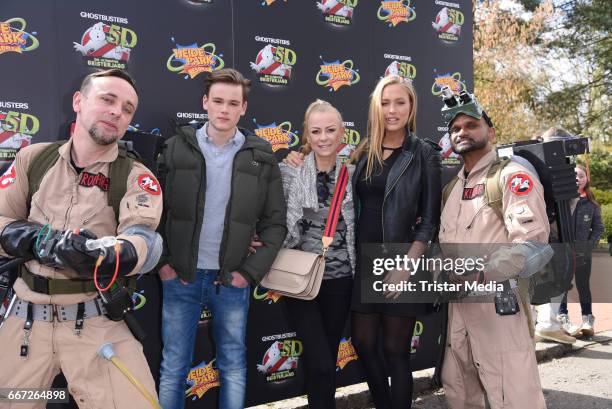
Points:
[[9, 177], [520, 184], [149, 184]]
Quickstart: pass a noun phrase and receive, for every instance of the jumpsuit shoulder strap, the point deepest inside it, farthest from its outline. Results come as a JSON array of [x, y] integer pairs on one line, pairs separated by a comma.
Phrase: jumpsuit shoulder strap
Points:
[[118, 173], [493, 187], [448, 188], [45, 159]]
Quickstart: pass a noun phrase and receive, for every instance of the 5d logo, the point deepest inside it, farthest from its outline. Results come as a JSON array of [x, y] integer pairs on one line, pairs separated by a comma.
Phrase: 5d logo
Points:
[[281, 360], [273, 64], [448, 24], [337, 11], [107, 46], [17, 129], [401, 68]]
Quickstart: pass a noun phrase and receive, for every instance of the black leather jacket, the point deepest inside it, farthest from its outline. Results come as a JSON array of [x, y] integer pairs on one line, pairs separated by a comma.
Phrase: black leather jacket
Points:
[[413, 190]]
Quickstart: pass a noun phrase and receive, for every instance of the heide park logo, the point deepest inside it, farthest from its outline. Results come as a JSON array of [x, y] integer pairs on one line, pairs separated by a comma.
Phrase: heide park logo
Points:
[[337, 74], [16, 128], [139, 299], [263, 294], [274, 62], [453, 81], [281, 358], [14, 38], [192, 60], [280, 136], [416, 335], [448, 22], [394, 12], [199, 2], [136, 128], [350, 140], [205, 316], [401, 66], [346, 353], [269, 2], [107, 45], [201, 379], [337, 11]]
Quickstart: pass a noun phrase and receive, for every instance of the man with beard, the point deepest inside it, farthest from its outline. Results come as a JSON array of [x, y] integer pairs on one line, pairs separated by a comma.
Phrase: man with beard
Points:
[[487, 352], [86, 188]]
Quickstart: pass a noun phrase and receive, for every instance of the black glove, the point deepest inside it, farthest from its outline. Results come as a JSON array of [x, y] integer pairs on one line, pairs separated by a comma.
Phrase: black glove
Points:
[[31, 240], [18, 238], [71, 250]]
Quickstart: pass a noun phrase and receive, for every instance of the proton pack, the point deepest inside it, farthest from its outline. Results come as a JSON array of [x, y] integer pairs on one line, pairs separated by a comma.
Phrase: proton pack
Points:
[[554, 165]]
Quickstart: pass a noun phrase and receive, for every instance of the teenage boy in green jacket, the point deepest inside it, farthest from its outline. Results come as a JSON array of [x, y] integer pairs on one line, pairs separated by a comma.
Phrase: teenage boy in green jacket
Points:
[[222, 186]]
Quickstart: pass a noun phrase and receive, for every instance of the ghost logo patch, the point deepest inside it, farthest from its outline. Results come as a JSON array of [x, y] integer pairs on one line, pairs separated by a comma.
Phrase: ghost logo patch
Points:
[[9, 177], [520, 184], [149, 184]]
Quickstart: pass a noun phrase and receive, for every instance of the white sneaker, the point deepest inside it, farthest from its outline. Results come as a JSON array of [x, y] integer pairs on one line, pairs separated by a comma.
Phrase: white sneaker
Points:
[[555, 336], [588, 325], [567, 325]]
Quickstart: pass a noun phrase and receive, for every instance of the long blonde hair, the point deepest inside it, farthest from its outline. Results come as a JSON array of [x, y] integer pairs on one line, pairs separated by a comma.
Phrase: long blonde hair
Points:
[[318, 105], [372, 144]]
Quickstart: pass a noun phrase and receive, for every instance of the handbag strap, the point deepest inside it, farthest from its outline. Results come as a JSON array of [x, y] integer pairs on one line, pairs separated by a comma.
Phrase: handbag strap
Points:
[[334, 208]]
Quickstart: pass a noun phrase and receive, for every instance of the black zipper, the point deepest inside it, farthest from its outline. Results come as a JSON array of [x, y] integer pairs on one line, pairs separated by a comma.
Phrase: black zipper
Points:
[[388, 192], [195, 238], [228, 209]]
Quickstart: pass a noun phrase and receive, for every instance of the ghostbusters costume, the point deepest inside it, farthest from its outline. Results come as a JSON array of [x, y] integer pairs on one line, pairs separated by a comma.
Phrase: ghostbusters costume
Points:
[[67, 200], [487, 352]]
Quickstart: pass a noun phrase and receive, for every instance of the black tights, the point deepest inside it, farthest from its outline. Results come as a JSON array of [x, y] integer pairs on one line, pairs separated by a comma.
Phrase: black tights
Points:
[[396, 339]]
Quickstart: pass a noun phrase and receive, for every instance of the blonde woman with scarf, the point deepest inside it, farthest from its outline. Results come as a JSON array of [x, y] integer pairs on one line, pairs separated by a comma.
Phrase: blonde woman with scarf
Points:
[[308, 190]]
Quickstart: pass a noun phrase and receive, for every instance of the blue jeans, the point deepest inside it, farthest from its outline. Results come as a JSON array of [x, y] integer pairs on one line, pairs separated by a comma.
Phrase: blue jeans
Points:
[[182, 305]]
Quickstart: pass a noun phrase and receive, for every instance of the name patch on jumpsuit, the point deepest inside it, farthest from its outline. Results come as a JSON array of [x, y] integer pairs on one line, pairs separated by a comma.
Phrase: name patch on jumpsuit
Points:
[[91, 180], [470, 193]]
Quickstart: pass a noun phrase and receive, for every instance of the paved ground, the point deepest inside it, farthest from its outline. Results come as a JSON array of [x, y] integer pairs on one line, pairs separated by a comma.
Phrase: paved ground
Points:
[[601, 293], [577, 381], [578, 377], [573, 377]]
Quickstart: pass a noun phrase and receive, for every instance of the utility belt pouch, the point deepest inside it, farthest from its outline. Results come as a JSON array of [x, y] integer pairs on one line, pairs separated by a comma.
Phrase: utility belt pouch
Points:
[[506, 302], [117, 301]]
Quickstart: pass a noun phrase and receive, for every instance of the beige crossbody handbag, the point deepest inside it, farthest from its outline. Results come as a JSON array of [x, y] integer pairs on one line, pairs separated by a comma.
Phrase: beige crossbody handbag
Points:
[[297, 273]]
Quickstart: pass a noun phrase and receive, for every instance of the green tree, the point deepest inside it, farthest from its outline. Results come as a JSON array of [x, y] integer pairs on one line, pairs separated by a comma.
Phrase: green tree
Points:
[[582, 38], [539, 63], [507, 41], [600, 167]]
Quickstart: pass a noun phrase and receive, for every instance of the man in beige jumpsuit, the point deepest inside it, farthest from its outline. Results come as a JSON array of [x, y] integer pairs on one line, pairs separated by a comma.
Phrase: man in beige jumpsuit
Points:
[[486, 352], [73, 195]]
